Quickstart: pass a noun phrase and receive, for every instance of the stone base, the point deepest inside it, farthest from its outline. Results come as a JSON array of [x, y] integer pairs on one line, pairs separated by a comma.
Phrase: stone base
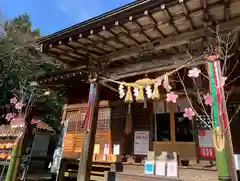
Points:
[[117, 176]]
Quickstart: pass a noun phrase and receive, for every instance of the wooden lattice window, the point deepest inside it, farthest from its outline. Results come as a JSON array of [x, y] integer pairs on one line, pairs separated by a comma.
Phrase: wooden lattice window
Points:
[[119, 117], [104, 117], [71, 117], [201, 125]]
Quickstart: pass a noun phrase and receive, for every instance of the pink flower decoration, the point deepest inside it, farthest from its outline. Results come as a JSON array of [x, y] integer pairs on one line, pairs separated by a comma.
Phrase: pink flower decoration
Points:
[[19, 105], [222, 81], [189, 113], [13, 100], [159, 81], [9, 116], [172, 97], [208, 99], [194, 72]]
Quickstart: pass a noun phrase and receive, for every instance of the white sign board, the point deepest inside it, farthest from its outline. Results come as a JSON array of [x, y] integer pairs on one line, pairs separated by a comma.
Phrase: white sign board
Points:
[[141, 142], [160, 168], [116, 149], [172, 169], [205, 138], [237, 161]]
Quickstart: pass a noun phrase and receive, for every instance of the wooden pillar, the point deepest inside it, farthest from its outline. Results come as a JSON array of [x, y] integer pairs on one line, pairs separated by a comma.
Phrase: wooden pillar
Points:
[[172, 122], [85, 165]]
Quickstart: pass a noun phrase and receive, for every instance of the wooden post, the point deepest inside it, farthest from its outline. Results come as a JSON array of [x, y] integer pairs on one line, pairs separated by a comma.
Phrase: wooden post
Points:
[[85, 165], [228, 136]]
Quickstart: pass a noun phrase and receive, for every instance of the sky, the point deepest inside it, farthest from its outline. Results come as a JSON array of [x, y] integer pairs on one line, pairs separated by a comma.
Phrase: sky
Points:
[[53, 15]]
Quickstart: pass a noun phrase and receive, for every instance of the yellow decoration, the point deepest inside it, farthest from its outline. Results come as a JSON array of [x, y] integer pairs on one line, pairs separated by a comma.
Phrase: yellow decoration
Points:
[[144, 82], [128, 97], [218, 139], [140, 97], [156, 95]]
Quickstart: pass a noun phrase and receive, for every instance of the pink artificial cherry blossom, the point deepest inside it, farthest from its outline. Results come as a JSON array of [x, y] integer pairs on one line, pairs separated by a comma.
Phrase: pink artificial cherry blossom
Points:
[[9, 116], [19, 105], [189, 113], [159, 81], [194, 72], [208, 99], [13, 100], [171, 97]]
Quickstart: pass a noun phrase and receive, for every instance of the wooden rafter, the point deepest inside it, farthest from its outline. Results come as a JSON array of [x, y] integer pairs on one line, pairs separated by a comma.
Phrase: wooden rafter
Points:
[[154, 22], [186, 13], [139, 28], [170, 20], [177, 40]]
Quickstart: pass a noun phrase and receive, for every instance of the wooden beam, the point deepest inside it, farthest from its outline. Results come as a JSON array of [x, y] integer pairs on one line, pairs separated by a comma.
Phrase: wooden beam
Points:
[[108, 86], [180, 39], [156, 65]]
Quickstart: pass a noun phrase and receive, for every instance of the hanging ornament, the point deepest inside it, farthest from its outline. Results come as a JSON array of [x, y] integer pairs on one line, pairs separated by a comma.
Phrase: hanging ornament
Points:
[[148, 91], [194, 72], [171, 97], [158, 81], [136, 92], [121, 91], [189, 113], [129, 98], [140, 97], [207, 99], [166, 85], [156, 95]]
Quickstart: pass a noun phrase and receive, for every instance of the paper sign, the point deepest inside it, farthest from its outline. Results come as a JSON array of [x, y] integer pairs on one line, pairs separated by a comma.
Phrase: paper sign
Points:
[[96, 149], [149, 167], [106, 149], [141, 142], [160, 168], [172, 169], [116, 149], [237, 161]]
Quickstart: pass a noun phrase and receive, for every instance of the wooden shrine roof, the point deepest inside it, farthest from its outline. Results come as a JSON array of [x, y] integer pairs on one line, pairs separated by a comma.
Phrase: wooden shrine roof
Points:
[[160, 27]]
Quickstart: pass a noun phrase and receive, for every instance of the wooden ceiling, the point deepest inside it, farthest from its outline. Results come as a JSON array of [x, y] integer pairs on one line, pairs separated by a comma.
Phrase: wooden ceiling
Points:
[[141, 31]]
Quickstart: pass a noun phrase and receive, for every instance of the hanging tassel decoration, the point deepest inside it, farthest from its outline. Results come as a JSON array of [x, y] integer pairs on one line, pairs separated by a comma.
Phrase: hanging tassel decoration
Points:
[[128, 128], [140, 97], [155, 95], [148, 91], [121, 91], [166, 84], [129, 98]]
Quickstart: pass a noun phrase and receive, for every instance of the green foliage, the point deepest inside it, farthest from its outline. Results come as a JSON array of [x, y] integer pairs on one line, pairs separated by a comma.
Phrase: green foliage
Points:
[[21, 63]]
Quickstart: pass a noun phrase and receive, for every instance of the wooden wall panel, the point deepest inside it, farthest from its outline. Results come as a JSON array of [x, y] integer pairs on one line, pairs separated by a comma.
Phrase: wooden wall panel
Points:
[[73, 142], [185, 150]]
